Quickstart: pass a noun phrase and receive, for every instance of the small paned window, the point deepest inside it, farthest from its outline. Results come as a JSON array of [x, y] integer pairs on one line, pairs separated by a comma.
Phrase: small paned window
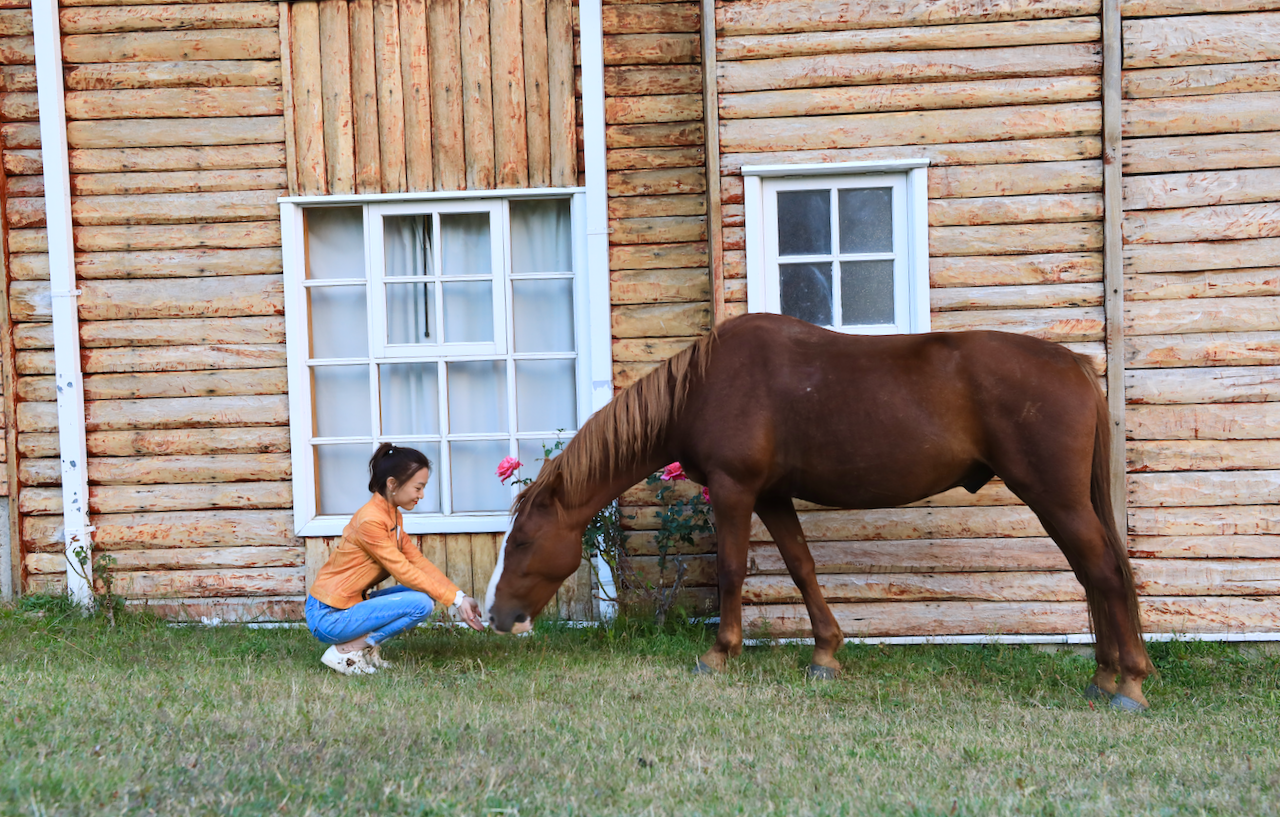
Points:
[[839, 249], [450, 326]]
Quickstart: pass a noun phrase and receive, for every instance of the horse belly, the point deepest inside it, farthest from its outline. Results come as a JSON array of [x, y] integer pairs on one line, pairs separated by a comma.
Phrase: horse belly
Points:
[[872, 458]]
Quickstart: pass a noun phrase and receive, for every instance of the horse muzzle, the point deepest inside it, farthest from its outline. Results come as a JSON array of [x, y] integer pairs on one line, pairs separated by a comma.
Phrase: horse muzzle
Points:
[[514, 623]]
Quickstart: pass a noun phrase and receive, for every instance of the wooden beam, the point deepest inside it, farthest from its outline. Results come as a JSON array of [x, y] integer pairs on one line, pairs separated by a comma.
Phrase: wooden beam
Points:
[[711, 121], [1113, 250]]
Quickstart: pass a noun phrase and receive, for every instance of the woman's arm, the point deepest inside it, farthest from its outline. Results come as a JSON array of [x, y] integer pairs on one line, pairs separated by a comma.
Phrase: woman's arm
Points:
[[414, 573]]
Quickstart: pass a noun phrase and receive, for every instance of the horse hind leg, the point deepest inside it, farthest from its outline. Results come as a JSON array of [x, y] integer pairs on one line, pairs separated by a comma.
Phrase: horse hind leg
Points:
[[779, 516], [1109, 591]]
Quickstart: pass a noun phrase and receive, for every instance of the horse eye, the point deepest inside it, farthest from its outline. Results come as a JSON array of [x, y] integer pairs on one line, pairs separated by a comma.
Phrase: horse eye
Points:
[[518, 545]]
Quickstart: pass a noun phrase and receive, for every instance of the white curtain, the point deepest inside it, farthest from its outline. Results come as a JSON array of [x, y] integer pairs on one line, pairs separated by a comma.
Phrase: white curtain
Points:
[[410, 402], [540, 236], [410, 306], [340, 395], [335, 242]]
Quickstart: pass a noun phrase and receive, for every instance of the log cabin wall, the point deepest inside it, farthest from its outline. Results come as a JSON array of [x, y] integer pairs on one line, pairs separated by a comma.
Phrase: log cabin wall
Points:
[[393, 96], [660, 284], [1004, 100], [24, 258], [177, 156], [1201, 163]]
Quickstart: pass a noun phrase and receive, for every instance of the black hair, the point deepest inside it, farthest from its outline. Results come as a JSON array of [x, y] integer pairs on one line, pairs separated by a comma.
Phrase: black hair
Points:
[[396, 462]]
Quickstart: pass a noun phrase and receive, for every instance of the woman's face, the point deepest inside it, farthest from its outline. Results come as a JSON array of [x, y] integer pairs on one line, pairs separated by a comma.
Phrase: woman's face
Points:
[[407, 496]]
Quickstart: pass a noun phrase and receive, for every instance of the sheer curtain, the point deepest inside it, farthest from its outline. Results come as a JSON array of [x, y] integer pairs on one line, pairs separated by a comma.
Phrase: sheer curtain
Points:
[[407, 242]]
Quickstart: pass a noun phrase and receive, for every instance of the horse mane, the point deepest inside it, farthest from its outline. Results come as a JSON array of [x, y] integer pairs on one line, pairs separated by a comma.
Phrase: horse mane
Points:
[[625, 430]]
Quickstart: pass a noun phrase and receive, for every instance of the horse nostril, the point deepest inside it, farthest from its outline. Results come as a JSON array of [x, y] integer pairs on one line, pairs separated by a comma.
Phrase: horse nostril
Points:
[[521, 618]]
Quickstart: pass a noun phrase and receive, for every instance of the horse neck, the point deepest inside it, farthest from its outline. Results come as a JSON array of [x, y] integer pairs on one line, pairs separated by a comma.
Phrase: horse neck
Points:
[[611, 487]]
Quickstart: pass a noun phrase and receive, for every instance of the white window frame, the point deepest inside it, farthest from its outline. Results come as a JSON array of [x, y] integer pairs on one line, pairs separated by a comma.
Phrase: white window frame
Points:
[[908, 177], [592, 347]]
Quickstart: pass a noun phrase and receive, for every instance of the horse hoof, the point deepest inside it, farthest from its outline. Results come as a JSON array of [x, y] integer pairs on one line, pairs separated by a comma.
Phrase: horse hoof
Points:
[[1126, 704], [702, 668], [820, 673], [1093, 692]]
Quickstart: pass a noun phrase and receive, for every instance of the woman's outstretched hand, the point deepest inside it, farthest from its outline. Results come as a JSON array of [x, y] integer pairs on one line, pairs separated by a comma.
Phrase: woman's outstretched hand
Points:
[[470, 610]]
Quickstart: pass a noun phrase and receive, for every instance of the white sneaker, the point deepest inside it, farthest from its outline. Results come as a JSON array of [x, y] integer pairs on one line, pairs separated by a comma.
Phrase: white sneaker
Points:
[[373, 657], [347, 663]]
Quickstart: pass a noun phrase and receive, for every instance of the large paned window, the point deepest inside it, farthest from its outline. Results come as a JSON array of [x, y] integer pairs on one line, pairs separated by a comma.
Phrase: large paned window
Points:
[[840, 246], [453, 326]]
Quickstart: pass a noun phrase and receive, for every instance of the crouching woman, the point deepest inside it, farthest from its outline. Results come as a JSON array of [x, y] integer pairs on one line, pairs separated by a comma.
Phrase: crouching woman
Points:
[[341, 611]]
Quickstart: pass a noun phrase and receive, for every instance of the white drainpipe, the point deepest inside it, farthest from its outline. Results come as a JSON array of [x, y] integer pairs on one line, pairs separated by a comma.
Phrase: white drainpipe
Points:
[[62, 284]]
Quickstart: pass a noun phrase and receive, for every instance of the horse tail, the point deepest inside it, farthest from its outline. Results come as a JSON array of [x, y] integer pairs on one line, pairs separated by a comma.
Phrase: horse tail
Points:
[[1100, 494]]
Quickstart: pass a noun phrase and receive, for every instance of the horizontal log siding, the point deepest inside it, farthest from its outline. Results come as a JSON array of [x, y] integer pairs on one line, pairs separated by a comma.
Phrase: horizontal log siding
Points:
[[409, 95], [175, 115], [1201, 195], [660, 282], [22, 201], [1005, 101]]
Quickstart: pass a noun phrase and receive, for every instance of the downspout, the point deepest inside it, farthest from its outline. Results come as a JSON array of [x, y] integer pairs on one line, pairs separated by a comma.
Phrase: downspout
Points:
[[68, 382], [591, 39]]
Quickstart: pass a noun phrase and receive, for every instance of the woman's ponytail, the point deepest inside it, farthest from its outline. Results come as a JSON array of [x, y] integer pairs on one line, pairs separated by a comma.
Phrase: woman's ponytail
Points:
[[396, 462]]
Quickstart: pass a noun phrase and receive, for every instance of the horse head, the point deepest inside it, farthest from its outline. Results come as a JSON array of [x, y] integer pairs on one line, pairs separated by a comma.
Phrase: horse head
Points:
[[543, 547]]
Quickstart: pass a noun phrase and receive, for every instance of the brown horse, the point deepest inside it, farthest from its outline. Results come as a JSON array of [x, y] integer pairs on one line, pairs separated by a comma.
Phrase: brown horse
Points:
[[769, 408]]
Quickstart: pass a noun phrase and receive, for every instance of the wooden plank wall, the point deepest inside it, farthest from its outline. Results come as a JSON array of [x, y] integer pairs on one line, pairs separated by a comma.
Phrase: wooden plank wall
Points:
[[24, 250], [1201, 151], [660, 284], [390, 96], [177, 155]]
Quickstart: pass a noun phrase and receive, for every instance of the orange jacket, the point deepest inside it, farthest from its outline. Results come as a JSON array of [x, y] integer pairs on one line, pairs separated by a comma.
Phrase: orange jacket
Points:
[[374, 546]]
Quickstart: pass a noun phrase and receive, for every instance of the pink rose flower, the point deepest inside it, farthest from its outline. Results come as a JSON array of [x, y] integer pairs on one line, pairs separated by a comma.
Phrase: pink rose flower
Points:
[[674, 471], [706, 494], [507, 468]]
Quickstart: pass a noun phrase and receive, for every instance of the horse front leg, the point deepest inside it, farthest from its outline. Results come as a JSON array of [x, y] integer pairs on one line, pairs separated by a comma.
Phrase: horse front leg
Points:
[[732, 505], [779, 516]]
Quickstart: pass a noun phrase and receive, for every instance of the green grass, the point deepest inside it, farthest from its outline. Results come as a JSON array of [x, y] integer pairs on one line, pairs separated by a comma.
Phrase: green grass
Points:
[[151, 719]]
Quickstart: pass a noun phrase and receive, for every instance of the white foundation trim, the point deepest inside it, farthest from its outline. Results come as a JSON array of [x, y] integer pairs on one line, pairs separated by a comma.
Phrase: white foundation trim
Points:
[[62, 284], [1068, 638]]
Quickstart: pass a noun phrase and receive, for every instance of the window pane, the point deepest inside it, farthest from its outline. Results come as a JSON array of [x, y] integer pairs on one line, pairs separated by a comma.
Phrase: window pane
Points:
[[342, 477], [430, 502], [543, 315], [339, 322], [410, 398], [546, 399], [476, 486], [464, 244], [806, 292], [468, 312], [866, 292], [804, 222], [341, 395], [540, 237], [478, 397], [866, 219], [335, 242], [411, 310], [407, 241], [532, 453]]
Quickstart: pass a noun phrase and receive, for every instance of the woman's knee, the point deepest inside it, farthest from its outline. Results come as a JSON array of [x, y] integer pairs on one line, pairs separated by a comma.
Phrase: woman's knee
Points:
[[418, 604]]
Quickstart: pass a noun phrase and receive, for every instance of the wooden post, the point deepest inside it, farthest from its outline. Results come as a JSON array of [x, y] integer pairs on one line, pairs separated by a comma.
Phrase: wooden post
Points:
[[1113, 252], [286, 80], [711, 116]]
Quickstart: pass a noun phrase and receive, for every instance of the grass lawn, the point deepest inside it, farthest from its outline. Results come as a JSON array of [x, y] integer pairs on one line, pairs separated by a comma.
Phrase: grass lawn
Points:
[[145, 718]]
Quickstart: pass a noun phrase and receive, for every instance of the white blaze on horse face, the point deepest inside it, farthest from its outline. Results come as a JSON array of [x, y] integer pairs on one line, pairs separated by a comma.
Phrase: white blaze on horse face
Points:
[[497, 570]]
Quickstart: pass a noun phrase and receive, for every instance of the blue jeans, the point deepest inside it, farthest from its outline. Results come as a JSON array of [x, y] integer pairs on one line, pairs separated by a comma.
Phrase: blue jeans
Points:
[[384, 614]]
